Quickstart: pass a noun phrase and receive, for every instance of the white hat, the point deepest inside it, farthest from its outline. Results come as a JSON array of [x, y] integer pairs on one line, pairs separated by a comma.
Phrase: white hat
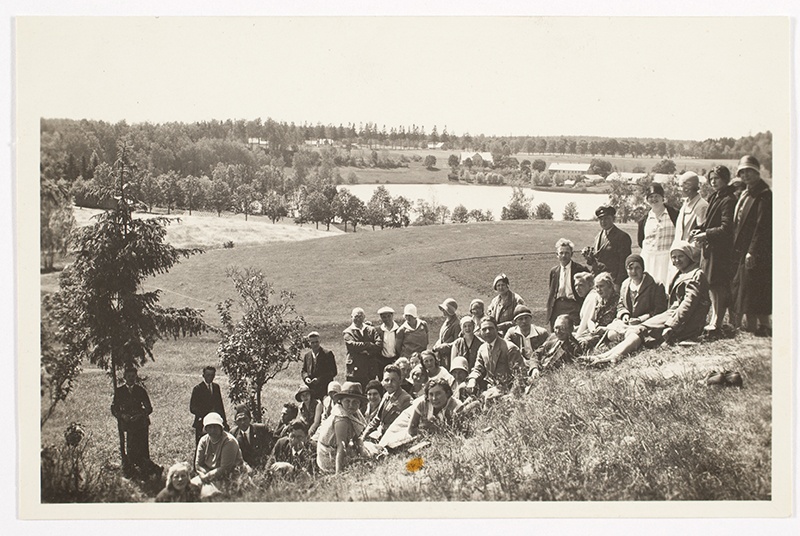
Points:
[[410, 309], [459, 363], [212, 418]]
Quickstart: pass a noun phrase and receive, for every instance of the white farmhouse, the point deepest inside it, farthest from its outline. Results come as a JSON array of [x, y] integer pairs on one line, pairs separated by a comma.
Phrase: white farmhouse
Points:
[[568, 169]]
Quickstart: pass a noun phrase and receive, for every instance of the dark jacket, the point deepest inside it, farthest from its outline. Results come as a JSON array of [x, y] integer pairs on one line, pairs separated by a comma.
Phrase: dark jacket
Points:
[[554, 275], [673, 215], [203, 402], [688, 303], [651, 299], [363, 352], [257, 447], [610, 254], [131, 407], [322, 370], [717, 260], [753, 234], [303, 460]]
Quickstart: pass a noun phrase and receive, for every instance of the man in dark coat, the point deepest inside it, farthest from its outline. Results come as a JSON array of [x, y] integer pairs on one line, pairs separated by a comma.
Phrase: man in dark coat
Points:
[[752, 249], [131, 406], [319, 367], [563, 298], [255, 439], [206, 397], [363, 344], [611, 247]]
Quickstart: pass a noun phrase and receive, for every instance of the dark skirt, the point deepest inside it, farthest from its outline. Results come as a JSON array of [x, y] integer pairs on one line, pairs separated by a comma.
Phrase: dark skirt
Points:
[[752, 289]]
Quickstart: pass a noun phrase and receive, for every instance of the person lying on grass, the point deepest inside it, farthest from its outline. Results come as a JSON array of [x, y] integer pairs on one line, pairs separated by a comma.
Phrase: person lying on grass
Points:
[[684, 318], [178, 488], [339, 435], [394, 401], [293, 454], [559, 348], [603, 313], [437, 408]]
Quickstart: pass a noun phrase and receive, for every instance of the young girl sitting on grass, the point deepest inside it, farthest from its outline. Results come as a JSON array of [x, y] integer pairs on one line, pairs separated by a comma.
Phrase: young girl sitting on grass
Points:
[[178, 488]]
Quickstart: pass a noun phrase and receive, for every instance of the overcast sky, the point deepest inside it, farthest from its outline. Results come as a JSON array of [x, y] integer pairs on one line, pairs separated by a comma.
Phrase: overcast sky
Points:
[[676, 78]]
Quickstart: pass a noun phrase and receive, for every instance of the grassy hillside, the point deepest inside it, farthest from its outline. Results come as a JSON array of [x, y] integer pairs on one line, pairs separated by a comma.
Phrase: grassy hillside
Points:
[[642, 430]]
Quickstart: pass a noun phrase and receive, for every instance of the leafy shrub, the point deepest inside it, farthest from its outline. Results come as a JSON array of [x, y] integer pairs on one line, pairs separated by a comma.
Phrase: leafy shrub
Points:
[[543, 212], [228, 244]]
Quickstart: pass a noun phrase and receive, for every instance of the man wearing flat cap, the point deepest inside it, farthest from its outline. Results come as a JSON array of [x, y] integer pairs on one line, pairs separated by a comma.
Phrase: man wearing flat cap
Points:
[[363, 344], [693, 210], [319, 367], [752, 249], [611, 246]]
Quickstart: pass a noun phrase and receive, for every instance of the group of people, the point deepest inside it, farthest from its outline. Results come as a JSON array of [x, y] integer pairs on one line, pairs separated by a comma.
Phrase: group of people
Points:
[[399, 384]]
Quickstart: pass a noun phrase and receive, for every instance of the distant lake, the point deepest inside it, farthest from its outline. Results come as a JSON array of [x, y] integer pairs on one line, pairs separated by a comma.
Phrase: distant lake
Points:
[[484, 197]]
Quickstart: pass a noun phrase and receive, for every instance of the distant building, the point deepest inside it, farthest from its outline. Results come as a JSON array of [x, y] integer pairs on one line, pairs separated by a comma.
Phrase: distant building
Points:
[[593, 179], [319, 142], [487, 157], [258, 142], [438, 145], [622, 176], [568, 169]]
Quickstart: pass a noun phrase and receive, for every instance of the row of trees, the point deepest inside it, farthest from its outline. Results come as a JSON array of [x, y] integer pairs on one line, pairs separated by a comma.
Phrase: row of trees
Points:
[[77, 147]]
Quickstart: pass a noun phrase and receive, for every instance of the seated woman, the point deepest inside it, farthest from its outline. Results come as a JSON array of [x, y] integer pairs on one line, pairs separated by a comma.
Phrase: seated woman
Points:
[[434, 371], [584, 286], [178, 488], [684, 318], [310, 410], [418, 380], [374, 392], [640, 298], [436, 409], [405, 371], [218, 456], [604, 313], [502, 306], [339, 434], [468, 342]]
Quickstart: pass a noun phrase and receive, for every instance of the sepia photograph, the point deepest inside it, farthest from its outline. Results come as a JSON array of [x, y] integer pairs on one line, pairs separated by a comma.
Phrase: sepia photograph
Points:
[[508, 266]]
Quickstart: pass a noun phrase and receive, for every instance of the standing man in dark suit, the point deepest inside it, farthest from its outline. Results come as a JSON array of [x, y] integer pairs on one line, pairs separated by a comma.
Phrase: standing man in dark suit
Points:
[[752, 249], [611, 247], [563, 298], [131, 406], [206, 397], [255, 439], [363, 344], [319, 367]]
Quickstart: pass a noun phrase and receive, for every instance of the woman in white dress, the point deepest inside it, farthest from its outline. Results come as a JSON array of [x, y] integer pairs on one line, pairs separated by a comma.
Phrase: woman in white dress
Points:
[[656, 235]]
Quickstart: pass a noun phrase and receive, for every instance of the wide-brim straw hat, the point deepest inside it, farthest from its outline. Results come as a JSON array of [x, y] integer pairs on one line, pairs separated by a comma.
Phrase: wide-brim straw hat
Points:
[[350, 389]]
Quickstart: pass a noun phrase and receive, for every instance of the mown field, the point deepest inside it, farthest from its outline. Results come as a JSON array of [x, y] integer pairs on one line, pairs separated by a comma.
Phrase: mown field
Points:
[[416, 173], [642, 430]]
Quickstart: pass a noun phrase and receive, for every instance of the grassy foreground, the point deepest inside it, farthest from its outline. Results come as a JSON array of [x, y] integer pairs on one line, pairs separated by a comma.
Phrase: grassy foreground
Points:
[[644, 430]]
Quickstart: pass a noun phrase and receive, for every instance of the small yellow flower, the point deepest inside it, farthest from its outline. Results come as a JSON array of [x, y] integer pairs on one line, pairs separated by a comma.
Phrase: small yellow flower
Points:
[[414, 464]]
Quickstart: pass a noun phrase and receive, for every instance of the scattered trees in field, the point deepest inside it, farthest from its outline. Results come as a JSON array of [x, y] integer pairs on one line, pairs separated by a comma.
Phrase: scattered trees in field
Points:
[[460, 214], [263, 342], [430, 162], [543, 212], [570, 212], [665, 166], [100, 312], [519, 206]]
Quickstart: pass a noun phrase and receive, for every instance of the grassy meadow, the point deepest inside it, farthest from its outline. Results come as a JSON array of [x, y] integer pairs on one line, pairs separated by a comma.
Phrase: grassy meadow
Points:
[[643, 430]]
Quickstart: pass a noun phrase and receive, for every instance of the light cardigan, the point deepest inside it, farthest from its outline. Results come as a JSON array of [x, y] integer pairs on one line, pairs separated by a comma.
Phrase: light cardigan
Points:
[[218, 459]]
